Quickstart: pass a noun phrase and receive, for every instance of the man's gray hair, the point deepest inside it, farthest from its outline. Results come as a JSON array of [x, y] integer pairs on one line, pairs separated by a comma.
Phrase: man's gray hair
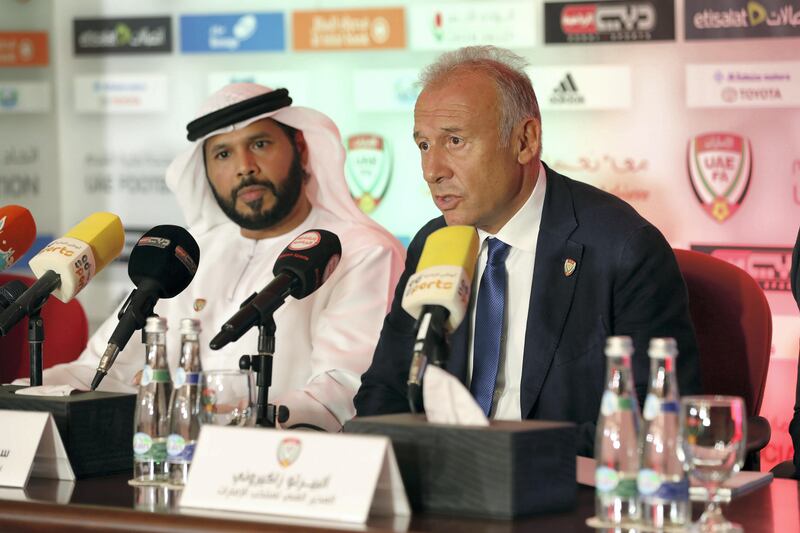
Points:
[[507, 69]]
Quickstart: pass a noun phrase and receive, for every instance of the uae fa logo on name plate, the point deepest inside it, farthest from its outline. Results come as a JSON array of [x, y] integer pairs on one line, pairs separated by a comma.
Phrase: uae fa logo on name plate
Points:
[[288, 451]]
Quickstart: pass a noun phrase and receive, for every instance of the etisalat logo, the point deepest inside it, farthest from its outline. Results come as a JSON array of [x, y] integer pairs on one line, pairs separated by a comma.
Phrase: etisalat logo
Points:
[[753, 14], [368, 168], [720, 167]]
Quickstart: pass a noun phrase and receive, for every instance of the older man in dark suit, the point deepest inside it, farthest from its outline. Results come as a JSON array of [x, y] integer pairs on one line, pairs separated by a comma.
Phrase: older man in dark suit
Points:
[[562, 264]]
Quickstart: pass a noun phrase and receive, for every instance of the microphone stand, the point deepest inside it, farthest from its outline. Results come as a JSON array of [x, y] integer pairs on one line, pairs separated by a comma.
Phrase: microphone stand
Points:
[[35, 341], [431, 347], [266, 413]]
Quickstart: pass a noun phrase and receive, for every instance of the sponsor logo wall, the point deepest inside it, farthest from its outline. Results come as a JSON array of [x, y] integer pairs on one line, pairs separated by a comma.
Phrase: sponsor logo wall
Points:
[[754, 85], [122, 35], [350, 29], [742, 19], [121, 93], [243, 32], [699, 136], [609, 21], [581, 87], [445, 26], [24, 97], [24, 49]]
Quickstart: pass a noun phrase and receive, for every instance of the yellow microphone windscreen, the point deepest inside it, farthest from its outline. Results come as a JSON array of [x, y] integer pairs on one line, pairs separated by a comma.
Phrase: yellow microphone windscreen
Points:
[[451, 245], [103, 232]]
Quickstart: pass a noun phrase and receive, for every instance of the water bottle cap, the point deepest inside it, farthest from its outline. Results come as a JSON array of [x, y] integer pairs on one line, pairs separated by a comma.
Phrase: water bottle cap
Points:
[[190, 326], [619, 345], [155, 324], [662, 347]]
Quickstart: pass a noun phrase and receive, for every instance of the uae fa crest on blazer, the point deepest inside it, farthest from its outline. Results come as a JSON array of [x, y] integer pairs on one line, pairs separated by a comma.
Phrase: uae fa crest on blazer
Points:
[[368, 169], [288, 451], [720, 165]]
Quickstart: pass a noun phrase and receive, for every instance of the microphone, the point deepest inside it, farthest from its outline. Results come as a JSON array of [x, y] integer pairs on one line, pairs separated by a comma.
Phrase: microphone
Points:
[[300, 269], [437, 295], [17, 233], [161, 265], [66, 265]]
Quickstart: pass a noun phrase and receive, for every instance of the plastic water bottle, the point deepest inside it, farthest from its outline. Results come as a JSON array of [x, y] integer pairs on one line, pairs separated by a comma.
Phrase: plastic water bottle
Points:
[[662, 482], [151, 425], [185, 404], [617, 441]]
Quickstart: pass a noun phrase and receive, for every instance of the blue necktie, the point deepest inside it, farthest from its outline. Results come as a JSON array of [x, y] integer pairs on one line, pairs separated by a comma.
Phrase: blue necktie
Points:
[[489, 313]]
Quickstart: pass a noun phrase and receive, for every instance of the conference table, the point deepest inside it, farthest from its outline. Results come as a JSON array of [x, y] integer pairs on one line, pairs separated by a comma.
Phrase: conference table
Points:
[[109, 504]]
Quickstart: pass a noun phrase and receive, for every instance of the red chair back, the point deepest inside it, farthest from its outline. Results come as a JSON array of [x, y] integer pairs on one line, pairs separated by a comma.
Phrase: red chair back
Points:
[[733, 324], [66, 332]]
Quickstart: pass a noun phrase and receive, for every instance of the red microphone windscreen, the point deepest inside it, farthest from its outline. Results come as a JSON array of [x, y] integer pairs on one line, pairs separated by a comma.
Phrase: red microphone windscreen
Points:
[[17, 233]]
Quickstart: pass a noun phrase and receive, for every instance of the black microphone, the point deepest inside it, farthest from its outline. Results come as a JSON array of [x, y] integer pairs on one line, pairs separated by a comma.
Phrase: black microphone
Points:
[[10, 292], [162, 264], [300, 269]]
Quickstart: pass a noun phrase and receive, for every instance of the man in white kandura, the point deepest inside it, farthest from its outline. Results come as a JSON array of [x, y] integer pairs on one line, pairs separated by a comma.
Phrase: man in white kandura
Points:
[[259, 173]]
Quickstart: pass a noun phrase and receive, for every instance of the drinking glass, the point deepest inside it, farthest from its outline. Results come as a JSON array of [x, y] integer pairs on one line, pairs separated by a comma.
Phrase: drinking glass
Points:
[[715, 430], [227, 398]]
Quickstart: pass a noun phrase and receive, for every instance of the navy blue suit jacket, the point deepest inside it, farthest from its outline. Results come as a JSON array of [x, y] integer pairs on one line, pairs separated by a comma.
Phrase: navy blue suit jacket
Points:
[[626, 282]]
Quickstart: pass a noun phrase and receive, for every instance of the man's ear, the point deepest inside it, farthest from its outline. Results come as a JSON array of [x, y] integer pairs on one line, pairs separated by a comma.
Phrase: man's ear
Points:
[[302, 148], [529, 139]]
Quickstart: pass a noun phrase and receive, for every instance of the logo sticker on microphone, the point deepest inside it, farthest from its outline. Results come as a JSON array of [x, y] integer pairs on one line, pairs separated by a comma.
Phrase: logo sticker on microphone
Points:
[[184, 257], [305, 241], [158, 242], [6, 256], [333, 262]]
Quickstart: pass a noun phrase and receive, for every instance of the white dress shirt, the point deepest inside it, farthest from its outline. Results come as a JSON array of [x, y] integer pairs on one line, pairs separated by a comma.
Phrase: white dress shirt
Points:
[[522, 234]]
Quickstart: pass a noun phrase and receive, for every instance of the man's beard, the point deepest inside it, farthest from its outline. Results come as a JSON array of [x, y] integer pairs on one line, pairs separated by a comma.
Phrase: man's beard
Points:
[[286, 197]]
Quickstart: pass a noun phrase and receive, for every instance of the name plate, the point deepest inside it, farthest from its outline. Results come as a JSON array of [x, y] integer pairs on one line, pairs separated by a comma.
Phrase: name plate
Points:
[[295, 473], [30, 445]]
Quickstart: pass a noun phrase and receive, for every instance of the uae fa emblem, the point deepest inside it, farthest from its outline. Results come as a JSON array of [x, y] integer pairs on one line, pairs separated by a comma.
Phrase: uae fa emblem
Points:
[[719, 168], [368, 169], [569, 267], [288, 451]]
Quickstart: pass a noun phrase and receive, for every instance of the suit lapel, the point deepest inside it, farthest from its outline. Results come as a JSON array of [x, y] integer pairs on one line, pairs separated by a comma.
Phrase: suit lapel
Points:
[[553, 290]]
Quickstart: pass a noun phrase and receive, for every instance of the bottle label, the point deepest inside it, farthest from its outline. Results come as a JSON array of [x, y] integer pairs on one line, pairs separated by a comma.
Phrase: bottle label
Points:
[[669, 407], [179, 450], [609, 403], [161, 375], [648, 480], [651, 407], [142, 442], [650, 484], [180, 377], [192, 378], [613, 403], [147, 376], [605, 479], [673, 491], [145, 448]]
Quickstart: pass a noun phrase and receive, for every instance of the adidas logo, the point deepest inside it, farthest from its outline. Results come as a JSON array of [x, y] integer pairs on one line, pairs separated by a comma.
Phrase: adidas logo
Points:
[[566, 92]]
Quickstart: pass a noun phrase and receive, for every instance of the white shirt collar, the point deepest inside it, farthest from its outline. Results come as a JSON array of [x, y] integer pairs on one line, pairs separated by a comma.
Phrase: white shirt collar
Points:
[[517, 231]]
